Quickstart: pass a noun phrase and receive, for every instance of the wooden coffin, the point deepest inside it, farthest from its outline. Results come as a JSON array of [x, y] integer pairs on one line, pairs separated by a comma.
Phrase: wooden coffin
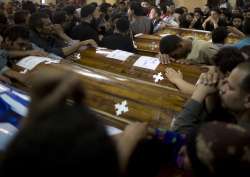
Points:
[[149, 44], [104, 90], [198, 34], [97, 58], [146, 44]]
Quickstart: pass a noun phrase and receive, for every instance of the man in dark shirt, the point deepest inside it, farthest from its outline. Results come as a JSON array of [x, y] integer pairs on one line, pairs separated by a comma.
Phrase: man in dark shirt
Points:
[[51, 38], [85, 29], [121, 38]]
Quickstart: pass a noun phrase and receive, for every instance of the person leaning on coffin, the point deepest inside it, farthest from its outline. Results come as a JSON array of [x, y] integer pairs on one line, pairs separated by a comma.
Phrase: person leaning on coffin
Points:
[[175, 48], [224, 62], [51, 38]]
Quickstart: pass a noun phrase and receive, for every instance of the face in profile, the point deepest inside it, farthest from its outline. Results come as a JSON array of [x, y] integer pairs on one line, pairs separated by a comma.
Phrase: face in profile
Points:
[[47, 27], [232, 96], [152, 14], [181, 52]]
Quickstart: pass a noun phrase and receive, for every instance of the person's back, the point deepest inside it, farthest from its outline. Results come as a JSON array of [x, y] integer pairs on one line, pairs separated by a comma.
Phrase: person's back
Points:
[[202, 52], [121, 38], [141, 24], [118, 41]]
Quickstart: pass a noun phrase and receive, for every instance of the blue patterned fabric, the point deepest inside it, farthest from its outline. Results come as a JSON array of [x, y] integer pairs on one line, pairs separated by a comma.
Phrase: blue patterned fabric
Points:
[[13, 105], [174, 139]]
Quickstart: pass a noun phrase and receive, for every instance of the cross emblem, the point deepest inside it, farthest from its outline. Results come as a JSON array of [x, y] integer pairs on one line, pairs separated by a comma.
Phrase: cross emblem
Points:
[[78, 56], [24, 71], [51, 62], [158, 77], [121, 108]]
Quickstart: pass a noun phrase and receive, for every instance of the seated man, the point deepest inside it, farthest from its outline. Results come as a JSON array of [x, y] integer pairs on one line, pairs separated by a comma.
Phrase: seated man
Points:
[[189, 50], [232, 101], [121, 38], [50, 37]]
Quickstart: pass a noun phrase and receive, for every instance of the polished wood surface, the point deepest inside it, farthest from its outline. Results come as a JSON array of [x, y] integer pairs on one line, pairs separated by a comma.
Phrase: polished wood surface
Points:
[[198, 34], [149, 44], [146, 44], [146, 102], [96, 58]]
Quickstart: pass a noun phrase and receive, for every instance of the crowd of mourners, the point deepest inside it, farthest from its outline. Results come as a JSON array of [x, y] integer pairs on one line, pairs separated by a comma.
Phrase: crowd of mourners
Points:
[[210, 137]]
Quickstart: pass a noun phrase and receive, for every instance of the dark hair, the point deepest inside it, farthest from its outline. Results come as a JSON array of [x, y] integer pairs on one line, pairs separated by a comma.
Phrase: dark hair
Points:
[[219, 35], [237, 16], [36, 20], [3, 18], [70, 9], [246, 27], [47, 11], [15, 32], [29, 6], [197, 166], [87, 10], [122, 25], [157, 11], [59, 17], [197, 9], [226, 12], [163, 8], [116, 16], [20, 16], [94, 4], [216, 10], [228, 58], [222, 159], [169, 43], [3, 23], [179, 11], [104, 7], [69, 140], [137, 8], [245, 84]]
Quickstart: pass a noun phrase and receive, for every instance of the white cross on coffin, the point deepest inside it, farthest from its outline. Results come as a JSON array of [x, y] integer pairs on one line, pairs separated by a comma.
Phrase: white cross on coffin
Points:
[[121, 108], [78, 56], [51, 62], [158, 77], [24, 71]]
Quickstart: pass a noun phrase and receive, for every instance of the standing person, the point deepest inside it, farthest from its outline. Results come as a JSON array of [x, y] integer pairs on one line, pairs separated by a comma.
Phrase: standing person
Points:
[[139, 23]]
